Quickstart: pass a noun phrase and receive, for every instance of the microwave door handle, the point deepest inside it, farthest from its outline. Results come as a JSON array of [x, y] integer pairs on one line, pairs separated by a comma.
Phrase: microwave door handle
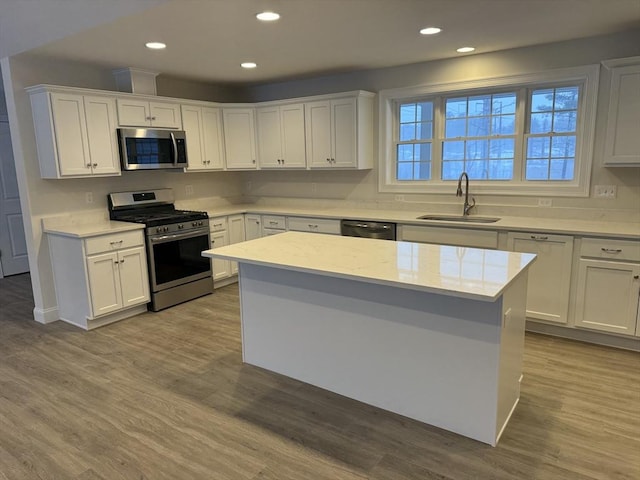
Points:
[[175, 148]]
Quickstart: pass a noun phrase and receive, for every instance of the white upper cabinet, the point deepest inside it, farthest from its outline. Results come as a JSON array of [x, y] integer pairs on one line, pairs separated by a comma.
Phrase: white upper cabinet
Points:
[[239, 138], [622, 140], [203, 127], [281, 136], [75, 134], [133, 112], [339, 132]]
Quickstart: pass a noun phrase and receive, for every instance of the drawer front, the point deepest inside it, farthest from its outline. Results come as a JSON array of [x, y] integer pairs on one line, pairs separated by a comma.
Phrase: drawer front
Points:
[[108, 243], [610, 249], [314, 225], [274, 222], [464, 237], [217, 224]]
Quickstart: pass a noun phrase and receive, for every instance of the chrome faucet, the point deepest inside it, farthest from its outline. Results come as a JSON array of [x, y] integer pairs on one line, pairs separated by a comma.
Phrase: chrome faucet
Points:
[[467, 206]]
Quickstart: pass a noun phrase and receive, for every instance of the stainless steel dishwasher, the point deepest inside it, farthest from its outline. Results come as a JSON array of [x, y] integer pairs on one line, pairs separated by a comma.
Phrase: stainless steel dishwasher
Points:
[[366, 229]]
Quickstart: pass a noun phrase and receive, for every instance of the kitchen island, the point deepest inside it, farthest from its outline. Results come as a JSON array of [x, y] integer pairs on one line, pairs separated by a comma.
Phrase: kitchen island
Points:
[[431, 332]]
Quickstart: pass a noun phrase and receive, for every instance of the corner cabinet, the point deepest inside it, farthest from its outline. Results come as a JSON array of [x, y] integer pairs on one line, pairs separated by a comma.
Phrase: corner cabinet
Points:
[[100, 279], [240, 138], [205, 147], [281, 136], [608, 286], [549, 276], [75, 133], [622, 139], [339, 132]]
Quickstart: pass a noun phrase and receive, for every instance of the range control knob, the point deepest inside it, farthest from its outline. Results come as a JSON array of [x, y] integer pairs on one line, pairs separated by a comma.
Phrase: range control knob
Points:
[[165, 229], [158, 229], [180, 226], [194, 224]]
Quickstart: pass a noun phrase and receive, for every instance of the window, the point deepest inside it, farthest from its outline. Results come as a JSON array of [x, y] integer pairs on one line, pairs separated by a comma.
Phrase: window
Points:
[[529, 134]]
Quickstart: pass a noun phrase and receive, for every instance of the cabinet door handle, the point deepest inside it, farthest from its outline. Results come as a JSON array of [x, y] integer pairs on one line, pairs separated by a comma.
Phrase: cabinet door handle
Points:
[[539, 237], [122, 261], [611, 250], [94, 165], [636, 277], [153, 118], [88, 165]]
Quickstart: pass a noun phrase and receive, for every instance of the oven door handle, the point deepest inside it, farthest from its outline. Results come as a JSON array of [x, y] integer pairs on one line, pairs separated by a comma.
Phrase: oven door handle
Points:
[[178, 236], [174, 146]]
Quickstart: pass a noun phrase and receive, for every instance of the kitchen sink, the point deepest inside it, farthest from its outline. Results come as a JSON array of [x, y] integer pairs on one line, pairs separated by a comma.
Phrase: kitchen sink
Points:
[[459, 218]]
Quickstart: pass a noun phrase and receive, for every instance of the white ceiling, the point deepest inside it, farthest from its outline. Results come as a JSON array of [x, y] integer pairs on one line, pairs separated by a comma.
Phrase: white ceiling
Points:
[[207, 39]]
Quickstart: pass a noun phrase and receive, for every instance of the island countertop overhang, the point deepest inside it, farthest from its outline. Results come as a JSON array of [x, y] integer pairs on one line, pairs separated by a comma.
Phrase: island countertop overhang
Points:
[[448, 270]]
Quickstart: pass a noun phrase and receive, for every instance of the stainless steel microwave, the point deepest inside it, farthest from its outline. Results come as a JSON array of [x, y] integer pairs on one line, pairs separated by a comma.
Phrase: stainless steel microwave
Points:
[[151, 149]]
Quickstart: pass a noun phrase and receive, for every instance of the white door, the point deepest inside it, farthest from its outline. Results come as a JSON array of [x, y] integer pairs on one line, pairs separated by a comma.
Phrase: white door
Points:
[[165, 115], [134, 279], [343, 114], [221, 268], [104, 283], [192, 123], [13, 245], [252, 226], [212, 137], [71, 134], [133, 113], [318, 133], [100, 114], [239, 138], [607, 296], [292, 131], [236, 235], [269, 151]]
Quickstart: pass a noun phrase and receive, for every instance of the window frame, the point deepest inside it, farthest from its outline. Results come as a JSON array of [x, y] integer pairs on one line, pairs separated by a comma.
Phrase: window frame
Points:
[[523, 84]]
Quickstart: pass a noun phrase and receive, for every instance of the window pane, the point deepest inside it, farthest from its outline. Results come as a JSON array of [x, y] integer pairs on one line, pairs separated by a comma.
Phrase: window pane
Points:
[[423, 152], [422, 171], [538, 147], [566, 98], [537, 169], [503, 125], [564, 146], [564, 122], [455, 128], [452, 170], [478, 127], [541, 122], [561, 169], [500, 169], [477, 169], [407, 132], [477, 149], [456, 107], [479, 105], [424, 111], [453, 151], [408, 113], [405, 152], [502, 148], [504, 103], [425, 130], [542, 100], [405, 171]]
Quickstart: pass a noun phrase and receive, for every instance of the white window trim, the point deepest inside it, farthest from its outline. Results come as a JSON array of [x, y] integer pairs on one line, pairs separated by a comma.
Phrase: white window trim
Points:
[[579, 187]]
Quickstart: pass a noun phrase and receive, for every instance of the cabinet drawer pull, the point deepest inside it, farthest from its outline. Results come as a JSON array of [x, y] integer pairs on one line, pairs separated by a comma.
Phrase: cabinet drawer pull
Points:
[[539, 237], [217, 224], [116, 242], [271, 222], [611, 250]]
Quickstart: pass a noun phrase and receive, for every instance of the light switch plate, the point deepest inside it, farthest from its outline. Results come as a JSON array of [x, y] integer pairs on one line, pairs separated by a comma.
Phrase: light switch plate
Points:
[[605, 191]]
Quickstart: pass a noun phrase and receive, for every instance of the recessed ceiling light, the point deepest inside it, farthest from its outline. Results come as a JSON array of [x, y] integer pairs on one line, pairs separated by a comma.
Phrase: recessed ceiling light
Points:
[[268, 16], [465, 49], [155, 45], [430, 30], [248, 65]]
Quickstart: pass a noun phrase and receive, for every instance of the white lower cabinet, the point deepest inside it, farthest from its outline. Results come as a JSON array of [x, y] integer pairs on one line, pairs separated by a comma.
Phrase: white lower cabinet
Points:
[[225, 231], [314, 225], [549, 276], [462, 237], [608, 286], [100, 279], [252, 226]]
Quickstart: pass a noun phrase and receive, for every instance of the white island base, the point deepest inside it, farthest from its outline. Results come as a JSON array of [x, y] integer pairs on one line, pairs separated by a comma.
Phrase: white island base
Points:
[[445, 355]]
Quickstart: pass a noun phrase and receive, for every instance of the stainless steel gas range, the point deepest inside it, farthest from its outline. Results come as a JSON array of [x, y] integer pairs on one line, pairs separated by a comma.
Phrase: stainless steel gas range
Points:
[[175, 240]]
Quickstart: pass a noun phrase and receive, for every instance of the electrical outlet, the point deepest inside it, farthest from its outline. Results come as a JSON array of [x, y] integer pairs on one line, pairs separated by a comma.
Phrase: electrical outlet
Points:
[[545, 202], [188, 189], [399, 198], [605, 191], [88, 197]]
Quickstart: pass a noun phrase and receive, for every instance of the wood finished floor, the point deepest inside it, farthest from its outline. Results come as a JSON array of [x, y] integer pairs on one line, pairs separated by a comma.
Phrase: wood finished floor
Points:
[[166, 396]]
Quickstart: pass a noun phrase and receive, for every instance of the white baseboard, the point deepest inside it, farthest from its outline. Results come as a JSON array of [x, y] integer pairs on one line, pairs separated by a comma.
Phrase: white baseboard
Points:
[[46, 315]]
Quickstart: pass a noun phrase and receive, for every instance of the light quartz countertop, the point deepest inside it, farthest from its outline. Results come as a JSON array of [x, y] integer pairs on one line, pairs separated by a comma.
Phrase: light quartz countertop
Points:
[[456, 271], [86, 230], [407, 217]]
